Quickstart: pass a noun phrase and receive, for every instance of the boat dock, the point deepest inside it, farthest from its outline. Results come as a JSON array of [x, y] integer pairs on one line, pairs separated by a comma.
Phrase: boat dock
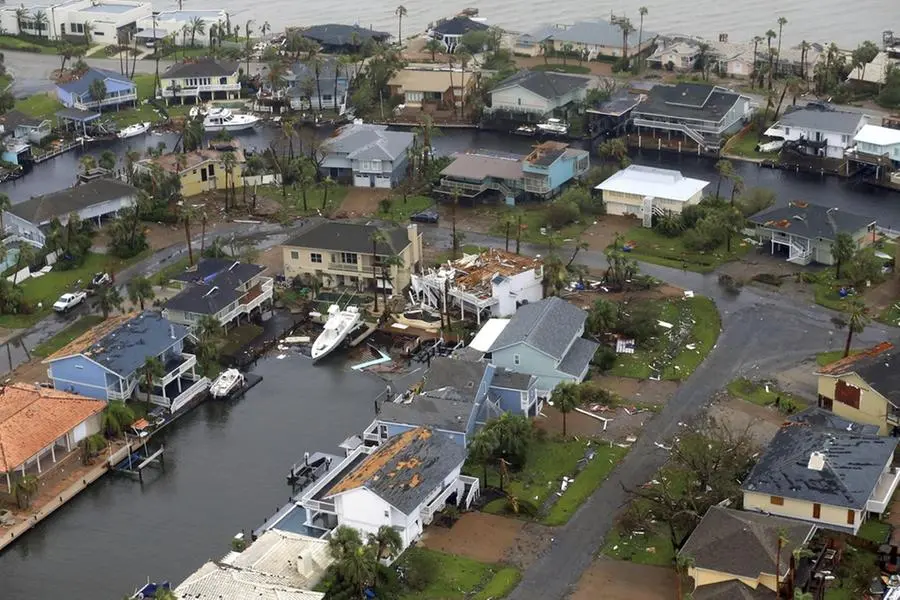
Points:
[[369, 329], [251, 380], [134, 464]]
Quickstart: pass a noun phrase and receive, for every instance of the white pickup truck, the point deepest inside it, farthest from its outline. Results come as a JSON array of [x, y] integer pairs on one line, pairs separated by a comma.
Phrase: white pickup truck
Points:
[[69, 301]]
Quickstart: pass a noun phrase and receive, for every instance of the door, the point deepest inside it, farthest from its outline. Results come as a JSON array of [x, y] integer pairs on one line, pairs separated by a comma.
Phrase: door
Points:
[[203, 175], [817, 511], [371, 180]]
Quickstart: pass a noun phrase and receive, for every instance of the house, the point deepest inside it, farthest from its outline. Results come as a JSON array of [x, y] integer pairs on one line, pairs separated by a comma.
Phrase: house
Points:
[[494, 282], [299, 560], [40, 426], [450, 31], [170, 23], [590, 39], [200, 80], [878, 146], [335, 38], [112, 21], [304, 92], [105, 361], [544, 339], [20, 126], [875, 72], [646, 191], [610, 118], [515, 393], [78, 94], [805, 231], [91, 201], [340, 254], [216, 580], [367, 155], [864, 387], [201, 170], [432, 89], [537, 93], [222, 289], [814, 131], [702, 113], [829, 477], [541, 174], [741, 546], [400, 483], [680, 55]]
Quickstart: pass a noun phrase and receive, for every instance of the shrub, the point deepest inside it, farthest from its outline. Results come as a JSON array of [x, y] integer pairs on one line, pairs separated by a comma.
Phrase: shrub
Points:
[[520, 506], [691, 214], [604, 359], [640, 321], [668, 224], [420, 570], [767, 278], [730, 284], [561, 213], [590, 392]]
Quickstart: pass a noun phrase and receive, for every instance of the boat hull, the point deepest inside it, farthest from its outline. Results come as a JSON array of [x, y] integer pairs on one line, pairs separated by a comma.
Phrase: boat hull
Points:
[[231, 127], [130, 132]]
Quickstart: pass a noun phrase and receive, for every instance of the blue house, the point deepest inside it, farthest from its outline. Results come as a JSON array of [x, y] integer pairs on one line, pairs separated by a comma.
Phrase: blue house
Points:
[[333, 83], [77, 94], [515, 393], [105, 362]]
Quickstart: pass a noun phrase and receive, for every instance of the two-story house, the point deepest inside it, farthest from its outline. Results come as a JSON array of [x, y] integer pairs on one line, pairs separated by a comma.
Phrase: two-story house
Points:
[[304, 87], [515, 393], [537, 93], [117, 89], [224, 289], [429, 88], [367, 155], [450, 31], [818, 132], [588, 39], [544, 339], [646, 191], [200, 80], [200, 171], [17, 132], [830, 477], [344, 254], [879, 143], [864, 387], [105, 361]]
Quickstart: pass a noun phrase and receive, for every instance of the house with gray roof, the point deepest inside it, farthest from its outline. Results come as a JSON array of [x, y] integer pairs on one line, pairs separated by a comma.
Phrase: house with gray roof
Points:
[[590, 39], [336, 38], [544, 339], [367, 155], [327, 92], [818, 130], [515, 393], [825, 476], [450, 31], [538, 92], [804, 232]]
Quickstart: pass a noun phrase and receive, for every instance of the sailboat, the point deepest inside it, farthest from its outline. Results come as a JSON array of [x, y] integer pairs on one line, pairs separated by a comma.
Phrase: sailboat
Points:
[[338, 326]]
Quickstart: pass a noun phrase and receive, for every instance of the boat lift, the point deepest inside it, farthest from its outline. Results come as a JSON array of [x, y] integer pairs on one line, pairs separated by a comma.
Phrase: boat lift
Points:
[[134, 464]]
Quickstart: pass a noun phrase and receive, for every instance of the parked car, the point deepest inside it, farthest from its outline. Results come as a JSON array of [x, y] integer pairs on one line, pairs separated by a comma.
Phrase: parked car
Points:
[[101, 279], [426, 216], [69, 301]]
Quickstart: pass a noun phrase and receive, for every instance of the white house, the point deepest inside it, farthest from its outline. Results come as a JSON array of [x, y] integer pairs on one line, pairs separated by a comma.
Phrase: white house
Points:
[[644, 191], [172, 22], [538, 92], [367, 155], [819, 132], [111, 21], [879, 141]]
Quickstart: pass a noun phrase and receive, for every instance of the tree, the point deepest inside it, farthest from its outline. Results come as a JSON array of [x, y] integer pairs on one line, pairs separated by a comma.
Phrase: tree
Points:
[[433, 46], [229, 162], [327, 184], [514, 435], [107, 160], [780, 542], [377, 237], [140, 289], [603, 317], [387, 542], [565, 399], [621, 267], [482, 449], [343, 542], [196, 25], [388, 262], [754, 200], [642, 11], [127, 236], [842, 250], [732, 222], [756, 40], [209, 336], [863, 55], [109, 299], [147, 372], [400, 11], [24, 259], [65, 52], [781, 23], [186, 214], [865, 266], [116, 417], [314, 62], [26, 488], [770, 35], [726, 171], [359, 568], [614, 150], [627, 28], [857, 319], [5, 205], [97, 90], [40, 22]]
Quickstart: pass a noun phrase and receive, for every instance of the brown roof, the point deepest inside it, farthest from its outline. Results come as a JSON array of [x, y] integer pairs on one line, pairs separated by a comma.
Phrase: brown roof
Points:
[[848, 364], [90, 337], [31, 418], [478, 166], [475, 275], [192, 160], [415, 80]]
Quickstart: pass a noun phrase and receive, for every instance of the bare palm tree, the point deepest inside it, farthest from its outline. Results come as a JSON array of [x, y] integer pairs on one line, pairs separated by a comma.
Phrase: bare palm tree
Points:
[[186, 215], [643, 12], [400, 12], [781, 23]]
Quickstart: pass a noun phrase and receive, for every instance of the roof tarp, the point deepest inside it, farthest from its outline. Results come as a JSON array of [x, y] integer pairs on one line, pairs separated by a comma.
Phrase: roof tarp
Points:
[[487, 335]]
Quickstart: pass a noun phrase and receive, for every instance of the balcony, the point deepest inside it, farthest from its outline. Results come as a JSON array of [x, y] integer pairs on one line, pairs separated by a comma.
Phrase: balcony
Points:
[[179, 392], [339, 266], [440, 501], [881, 496], [108, 101], [195, 90], [315, 498], [177, 366], [250, 301]]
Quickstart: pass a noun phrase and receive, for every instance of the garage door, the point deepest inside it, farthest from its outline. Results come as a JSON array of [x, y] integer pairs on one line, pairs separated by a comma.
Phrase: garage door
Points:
[[80, 432]]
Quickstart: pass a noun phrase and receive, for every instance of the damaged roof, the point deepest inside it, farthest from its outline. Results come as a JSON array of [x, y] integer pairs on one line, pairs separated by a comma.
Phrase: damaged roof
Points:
[[406, 469], [549, 326], [477, 273], [212, 290], [819, 417], [445, 372], [810, 220], [877, 366]]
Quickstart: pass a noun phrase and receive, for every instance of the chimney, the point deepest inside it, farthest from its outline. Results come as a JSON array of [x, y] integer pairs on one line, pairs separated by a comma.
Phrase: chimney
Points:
[[305, 564], [816, 461], [171, 331]]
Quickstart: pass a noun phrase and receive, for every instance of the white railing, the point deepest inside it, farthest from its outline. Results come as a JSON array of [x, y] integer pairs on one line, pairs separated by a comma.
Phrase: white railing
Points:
[[187, 365], [196, 89], [884, 490], [693, 133], [267, 290], [799, 255], [439, 501], [319, 505], [183, 398], [308, 501], [108, 101], [474, 489]]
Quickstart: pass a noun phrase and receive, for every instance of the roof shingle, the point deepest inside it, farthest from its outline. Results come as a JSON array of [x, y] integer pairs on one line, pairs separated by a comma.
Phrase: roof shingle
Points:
[[544, 84], [811, 220], [42, 209], [351, 237], [549, 326]]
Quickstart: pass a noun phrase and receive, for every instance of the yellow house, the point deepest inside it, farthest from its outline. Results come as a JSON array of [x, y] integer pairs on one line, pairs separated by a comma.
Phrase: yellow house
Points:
[[340, 254], [742, 548], [864, 387], [830, 477], [201, 79], [200, 171], [643, 191]]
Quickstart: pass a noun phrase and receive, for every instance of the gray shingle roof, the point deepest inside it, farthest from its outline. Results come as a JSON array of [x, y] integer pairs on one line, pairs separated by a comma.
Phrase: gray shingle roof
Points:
[[209, 267], [83, 84], [201, 67], [743, 543], [544, 84], [578, 357], [462, 375], [811, 220], [15, 118], [510, 380], [364, 141], [838, 121], [350, 237], [210, 292], [125, 349], [43, 209], [448, 411], [732, 590], [459, 26], [819, 417], [688, 100], [548, 326], [335, 34], [853, 464]]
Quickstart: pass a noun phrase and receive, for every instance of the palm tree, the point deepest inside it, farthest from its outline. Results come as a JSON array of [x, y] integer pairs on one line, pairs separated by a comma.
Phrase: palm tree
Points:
[[5, 205], [314, 62], [229, 162], [150, 370], [770, 35], [376, 237], [857, 319], [40, 22], [265, 29], [642, 11], [343, 542], [565, 399], [387, 542], [116, 417], [400, 12], [725, 170], [97, 90], [455, 241], [464, 58], [209, 335], [327, 184], [781, 23], [756, 40], [187, 213], [109, 299], [359, 568], [108, 160], [804, 52], [627, 28], [21, 16], [481, 451], [387, 264], [196, 25], [842, 250], [25, 490], [139, 290], [433, 46], [602, 317]]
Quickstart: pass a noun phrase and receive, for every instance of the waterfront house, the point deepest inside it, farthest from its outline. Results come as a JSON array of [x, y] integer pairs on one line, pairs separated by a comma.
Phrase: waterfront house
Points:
[[589, 39], [493, 283], [200, 80], [93, 201], [544, 339], [105, 361], [341, 254], [304, 92], [515, 393], [541, 174], [741, 549], [367, 155], [864, 387], [167, 23], [20, 126], [818, 132], [450, 31], [874, 73], [804, 232], [335, 38], [300, 560], [220, 580], [112, 21], [200, 171], [400, 483], [611, 117], [430, 89], [78, 94], [646, 191], [829, 477], [878, 147], [700, 112], [536, 94], [678, 55], [40, 427], [224, 289]]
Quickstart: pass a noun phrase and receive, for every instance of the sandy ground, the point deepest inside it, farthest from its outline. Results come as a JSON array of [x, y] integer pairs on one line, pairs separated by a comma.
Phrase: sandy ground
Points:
[[272, 259], [604, 230], [585, 299], [619, 426], [635, 391], [360, 202], [738, 415], [622, 580]]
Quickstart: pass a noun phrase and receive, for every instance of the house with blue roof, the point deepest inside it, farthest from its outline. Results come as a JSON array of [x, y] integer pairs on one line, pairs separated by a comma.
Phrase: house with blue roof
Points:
[[77, 94], [105, 362]]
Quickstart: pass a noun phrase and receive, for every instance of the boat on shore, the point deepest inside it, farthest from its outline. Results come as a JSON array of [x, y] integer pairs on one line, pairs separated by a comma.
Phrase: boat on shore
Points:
[[222, 119], [338, 326], [227, 382], [133, 130]]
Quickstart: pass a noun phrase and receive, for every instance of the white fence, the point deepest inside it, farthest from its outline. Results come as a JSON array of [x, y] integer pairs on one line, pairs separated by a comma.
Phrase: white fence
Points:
[[270, 178]]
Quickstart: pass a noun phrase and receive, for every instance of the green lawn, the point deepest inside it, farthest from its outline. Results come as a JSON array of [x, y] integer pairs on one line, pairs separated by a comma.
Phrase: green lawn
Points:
[[563, 68], [757, 394], [40, 106], [501, 584], [5, 81], [12, 42], [240, 335], [652, 247], [875, 531], [649, 548], [744, 144], [533, 219], [401, 211], [595, 473], [48, 347], [315, 199], [458, 578], [826, 358]]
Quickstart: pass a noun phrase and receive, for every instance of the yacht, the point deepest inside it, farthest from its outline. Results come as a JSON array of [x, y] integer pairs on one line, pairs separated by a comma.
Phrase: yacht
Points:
[[338, 326], [553, 127], [222, 119], [133, 130], [227, 381]]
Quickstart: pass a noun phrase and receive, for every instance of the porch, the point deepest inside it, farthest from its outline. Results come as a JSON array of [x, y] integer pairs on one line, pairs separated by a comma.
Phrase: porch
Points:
[[179, 391], [466, 490], [255, 297], [885, 488], [57, 454], [799, 249]]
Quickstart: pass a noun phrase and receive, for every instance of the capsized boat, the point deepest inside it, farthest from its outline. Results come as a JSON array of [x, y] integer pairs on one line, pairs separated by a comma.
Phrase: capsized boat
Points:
[[222, 119], [133, 130], [228, 381], [339, 324]]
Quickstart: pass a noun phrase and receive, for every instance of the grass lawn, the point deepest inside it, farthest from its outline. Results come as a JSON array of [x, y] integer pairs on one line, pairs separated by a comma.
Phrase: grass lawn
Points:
[[401, 211], [5, 81], [875, 531], [238, 336], [649, 548], [595, 473], [533, 219], [650, 246], [501, 584], [758, 394], [12, 42], [458, 578], [826, 358], [40, 106], [48, 347], [744, 144], [563, 68], [315, 199]]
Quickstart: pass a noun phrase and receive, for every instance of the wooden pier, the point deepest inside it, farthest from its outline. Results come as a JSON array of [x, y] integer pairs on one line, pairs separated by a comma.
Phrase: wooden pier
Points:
[[62, 149]]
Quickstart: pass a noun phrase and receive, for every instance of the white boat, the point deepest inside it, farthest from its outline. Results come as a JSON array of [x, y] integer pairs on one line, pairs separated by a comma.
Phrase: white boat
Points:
[[198, 111], [227, 381], [133, 130], [525, 130], [222, 119], [553, 126], [339, 324]]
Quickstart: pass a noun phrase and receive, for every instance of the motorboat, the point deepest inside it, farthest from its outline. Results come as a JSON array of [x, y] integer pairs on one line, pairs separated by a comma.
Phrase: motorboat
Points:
[[133, 130], [227, 381], [338, 326], [554, 127], [198, 111], [222, 119], [525, 130]]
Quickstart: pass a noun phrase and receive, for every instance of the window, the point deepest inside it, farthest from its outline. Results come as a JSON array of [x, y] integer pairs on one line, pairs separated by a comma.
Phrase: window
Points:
[[787, 131], [847, 394], [851, 517], [845, 139], [776, 500], [516, 359], [295, 255], [315, 257], [96, 33], [223, 81], [519, 101], [387, 513], [212, 170], [817, 511], [348, 258]]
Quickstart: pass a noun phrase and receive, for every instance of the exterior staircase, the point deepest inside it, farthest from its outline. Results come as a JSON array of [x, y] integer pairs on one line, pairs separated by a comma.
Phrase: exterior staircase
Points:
[[799, 255]]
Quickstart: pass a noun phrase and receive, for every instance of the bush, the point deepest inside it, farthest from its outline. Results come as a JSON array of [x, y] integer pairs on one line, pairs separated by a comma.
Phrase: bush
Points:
[[730, 284], [640, 321], [604, 359], [561, 213], [420, 570], [768, 278], [520, 506], [668, 224], [590, 392], [691, 214]]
